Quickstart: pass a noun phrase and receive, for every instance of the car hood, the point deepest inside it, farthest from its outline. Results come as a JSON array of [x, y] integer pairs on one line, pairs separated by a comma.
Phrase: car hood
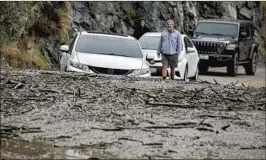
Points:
[[150, 54], [110, 61], [215, 39]]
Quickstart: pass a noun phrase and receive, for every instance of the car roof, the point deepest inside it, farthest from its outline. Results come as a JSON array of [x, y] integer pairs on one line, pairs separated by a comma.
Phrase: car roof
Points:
[[107, 35], [227, 21], [158, 34]]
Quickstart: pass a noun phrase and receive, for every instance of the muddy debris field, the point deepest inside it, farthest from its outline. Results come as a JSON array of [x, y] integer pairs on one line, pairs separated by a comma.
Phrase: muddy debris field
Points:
[[123, 117]]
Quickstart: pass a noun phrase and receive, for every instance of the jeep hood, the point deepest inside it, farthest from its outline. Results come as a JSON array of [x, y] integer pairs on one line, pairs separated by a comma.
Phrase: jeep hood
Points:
[[215, 39]]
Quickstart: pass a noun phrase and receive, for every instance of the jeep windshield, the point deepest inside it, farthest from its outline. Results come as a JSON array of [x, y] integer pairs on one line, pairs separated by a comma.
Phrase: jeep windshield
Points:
[[217, 29], [107, 45], [150, 42]]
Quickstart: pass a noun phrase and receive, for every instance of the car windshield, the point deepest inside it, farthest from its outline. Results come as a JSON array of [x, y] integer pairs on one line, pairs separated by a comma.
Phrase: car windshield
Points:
[[222, 29], [98, 44], [149, 42]]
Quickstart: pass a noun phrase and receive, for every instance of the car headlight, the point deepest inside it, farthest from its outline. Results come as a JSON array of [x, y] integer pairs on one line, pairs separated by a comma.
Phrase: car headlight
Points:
[[140, 72], [179, 59], [231, 47], [79, 66]]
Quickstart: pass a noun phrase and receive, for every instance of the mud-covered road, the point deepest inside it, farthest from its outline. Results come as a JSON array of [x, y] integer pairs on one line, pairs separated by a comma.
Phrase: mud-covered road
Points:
[[119, 117]]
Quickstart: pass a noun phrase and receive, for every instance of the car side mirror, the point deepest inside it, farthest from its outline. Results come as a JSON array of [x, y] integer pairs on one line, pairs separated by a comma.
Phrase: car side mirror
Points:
[[242, 35], [149, 56], [64, 48], [190, 50]]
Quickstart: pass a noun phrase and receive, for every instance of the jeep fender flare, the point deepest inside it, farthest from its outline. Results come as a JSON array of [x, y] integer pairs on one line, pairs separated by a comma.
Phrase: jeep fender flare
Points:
[[253, 48]]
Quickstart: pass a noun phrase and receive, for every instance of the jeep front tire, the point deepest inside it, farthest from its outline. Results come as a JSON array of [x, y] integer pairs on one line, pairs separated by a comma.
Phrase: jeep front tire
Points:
[[251, 67], [232, 66], [203, 69]]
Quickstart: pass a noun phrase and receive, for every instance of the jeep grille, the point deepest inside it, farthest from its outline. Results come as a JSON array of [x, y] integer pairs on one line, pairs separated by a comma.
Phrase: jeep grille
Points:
[[208, 47]]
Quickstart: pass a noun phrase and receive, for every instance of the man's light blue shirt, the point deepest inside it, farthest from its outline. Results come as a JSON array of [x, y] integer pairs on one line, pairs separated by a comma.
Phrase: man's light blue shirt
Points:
[[170, 43]]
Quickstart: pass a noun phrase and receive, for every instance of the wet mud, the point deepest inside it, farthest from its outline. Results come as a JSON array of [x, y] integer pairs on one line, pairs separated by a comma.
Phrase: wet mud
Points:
[[72, 115]]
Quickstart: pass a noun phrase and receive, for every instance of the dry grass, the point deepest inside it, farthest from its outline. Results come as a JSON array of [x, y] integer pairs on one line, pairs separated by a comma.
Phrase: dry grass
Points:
[[63, 23], [18, 57], [262, 31]]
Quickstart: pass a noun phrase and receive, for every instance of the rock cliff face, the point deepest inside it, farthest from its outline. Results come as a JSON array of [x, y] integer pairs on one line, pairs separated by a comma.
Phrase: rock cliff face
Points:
[[49, 24]]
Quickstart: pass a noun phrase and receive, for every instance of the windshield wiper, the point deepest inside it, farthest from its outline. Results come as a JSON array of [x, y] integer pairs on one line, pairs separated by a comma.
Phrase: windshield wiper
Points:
[[218, 34], [202, 33], [117, 55]]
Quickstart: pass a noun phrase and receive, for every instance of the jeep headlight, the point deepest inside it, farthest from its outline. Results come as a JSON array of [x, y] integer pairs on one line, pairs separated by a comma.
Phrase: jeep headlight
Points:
[[79, 66], [138, 72], [231, 47], [220, 48]]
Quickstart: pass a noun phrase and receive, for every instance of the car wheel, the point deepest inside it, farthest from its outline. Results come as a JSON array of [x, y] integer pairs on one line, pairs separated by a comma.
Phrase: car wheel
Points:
[[158, 72], [203, 69], [251, 67], [232, 67], [185, 74], [196, 77]]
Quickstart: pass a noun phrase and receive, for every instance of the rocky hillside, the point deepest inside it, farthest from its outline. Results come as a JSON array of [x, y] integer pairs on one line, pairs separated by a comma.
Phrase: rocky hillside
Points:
[[31, 32]]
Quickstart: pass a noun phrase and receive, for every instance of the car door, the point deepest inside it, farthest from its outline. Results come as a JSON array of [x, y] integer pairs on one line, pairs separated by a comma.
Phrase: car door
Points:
[[243, 42], [192, 57], [250, 40]]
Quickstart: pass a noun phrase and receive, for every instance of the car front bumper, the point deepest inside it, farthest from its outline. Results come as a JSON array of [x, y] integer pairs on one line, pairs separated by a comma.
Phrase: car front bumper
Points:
[[73, 69], [180, 68]]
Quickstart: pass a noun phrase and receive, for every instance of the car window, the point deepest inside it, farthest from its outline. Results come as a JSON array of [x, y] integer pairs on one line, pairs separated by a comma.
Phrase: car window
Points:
[[99, 44], [242, 29], [71, 45], [150, 42], [247, 28], [188, 42], [251, 31]]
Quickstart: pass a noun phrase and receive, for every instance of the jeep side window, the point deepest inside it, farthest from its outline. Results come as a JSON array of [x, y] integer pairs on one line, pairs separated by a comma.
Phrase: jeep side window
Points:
[[242, 29], [247, 28], [252, 32]]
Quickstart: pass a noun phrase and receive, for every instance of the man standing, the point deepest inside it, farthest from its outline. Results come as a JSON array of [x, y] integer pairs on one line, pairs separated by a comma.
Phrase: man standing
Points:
[[140, 29], [169, 47]]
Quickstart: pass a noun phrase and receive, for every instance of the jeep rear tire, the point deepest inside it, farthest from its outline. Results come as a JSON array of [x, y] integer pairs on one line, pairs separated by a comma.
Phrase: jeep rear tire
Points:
[[232, 66], [251, 67], [203, 69]]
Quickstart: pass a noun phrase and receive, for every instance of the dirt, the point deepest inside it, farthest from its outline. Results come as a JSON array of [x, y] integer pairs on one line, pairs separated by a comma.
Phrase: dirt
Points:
[[75, 115]]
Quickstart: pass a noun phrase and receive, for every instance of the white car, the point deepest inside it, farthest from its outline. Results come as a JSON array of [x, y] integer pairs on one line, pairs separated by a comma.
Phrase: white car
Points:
[[187, 61], [104, 54]]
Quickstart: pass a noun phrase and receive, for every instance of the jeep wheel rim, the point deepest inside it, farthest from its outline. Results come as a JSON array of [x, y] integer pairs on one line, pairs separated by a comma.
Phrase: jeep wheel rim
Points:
[[254, 62]]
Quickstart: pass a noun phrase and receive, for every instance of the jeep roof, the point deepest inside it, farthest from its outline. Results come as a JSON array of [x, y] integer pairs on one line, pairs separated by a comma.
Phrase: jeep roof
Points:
[[227, 21]]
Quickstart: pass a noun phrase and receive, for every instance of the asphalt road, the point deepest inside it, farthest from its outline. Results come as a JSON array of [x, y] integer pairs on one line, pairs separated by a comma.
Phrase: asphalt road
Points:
[[219, 74]]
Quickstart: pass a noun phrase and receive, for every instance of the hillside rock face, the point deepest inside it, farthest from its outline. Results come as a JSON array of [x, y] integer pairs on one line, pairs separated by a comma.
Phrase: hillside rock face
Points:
[[19, 19]]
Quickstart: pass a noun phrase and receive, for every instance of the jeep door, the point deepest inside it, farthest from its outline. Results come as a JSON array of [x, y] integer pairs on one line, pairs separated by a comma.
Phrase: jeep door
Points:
[[244, 42]]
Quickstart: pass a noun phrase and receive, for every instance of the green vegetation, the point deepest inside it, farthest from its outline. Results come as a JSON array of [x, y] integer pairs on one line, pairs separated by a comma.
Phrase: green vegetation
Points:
[[63, 23], [50, 19], [19, 57], [262, 31], [127, 10]]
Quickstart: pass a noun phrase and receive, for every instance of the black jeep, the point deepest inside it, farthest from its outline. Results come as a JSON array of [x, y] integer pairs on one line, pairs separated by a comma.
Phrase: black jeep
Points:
[[226, 43]]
